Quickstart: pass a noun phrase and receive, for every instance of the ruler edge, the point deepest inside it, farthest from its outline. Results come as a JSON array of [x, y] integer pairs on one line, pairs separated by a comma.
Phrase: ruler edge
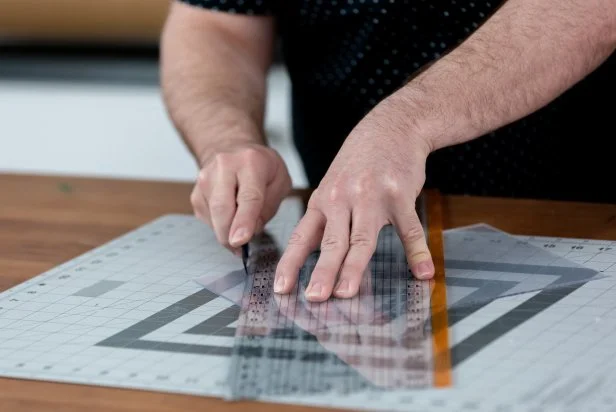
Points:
[[434, 225]]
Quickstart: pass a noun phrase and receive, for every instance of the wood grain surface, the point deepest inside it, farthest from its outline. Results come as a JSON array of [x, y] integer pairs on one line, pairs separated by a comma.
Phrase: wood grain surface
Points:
[[45, 221]]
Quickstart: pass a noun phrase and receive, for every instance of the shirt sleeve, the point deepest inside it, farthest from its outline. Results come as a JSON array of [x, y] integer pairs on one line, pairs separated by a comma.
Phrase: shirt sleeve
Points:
[[250, 7]]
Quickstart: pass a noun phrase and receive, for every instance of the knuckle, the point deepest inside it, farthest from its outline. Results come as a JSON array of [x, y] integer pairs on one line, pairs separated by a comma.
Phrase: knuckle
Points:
[[331, 242], [218, 207], [252, 157], [297, 238], [251, 153], [203, 180], [202, 177], [413, 234], [359, 188], [364, 182], [221, 160], [361, 239], [391, 185], [333, 193], [250, 194], [420, 255], [392, 189]]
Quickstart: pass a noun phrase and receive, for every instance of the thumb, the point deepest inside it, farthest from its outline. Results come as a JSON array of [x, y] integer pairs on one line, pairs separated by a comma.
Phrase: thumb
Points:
[[413, 237]]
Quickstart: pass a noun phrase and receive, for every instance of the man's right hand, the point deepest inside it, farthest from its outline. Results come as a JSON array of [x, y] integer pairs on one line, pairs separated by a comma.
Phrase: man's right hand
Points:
[[214, 69], [239, 189]]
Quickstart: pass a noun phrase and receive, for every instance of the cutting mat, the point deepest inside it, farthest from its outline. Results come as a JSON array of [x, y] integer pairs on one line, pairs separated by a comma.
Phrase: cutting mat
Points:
[[130, 314]]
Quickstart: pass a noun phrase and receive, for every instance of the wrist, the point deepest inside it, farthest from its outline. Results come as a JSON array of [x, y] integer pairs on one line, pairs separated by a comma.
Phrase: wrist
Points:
[[220, 131], [439, 114], [407, 122], [223, 145]]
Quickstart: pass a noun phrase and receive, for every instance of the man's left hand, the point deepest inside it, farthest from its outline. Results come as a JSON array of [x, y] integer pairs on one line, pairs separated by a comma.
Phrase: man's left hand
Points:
[[374, 181]]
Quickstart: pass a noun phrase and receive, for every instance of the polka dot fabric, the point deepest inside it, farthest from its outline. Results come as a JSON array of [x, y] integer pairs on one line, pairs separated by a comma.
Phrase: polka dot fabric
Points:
[[344, 56], [250, 7]]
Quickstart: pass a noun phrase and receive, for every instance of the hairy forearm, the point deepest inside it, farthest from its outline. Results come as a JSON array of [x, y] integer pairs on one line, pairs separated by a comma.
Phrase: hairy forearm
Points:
[[526, 55], [213, 86]]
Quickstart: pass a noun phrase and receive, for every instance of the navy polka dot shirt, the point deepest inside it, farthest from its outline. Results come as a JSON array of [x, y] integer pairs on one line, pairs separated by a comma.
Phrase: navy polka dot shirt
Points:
[[344, 56]]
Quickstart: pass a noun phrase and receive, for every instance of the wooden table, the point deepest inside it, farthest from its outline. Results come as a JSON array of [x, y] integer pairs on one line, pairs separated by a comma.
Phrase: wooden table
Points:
[[45, 221], [111, 22]]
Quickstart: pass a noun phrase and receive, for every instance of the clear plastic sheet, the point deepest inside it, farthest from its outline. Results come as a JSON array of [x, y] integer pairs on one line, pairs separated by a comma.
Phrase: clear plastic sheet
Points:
[[378, 340], [382, 339]]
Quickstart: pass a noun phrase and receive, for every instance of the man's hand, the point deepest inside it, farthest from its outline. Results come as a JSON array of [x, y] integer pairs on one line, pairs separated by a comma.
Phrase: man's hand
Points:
[[214, 68], [238, 190], [373, 181]]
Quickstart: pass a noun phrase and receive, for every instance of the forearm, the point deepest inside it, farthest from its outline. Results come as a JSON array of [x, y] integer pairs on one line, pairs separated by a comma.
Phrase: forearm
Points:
[[213, 85], [526, 55]]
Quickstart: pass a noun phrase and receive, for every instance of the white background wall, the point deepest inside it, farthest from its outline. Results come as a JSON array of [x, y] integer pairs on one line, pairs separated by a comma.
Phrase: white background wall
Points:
[[110, 130]]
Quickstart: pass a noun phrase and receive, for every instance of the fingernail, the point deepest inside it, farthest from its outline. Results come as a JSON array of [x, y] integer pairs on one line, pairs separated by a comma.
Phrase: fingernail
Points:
[[239, 235], [279, 285], [423, 270], [343, 286], [314, 291]]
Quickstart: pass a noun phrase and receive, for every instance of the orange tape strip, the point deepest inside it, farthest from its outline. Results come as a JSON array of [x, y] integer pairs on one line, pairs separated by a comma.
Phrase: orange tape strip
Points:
[[438, 301]]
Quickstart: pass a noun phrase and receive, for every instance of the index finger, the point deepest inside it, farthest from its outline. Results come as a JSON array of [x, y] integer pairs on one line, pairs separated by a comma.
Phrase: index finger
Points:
[[303, 241], [220, 198], [250, 199]]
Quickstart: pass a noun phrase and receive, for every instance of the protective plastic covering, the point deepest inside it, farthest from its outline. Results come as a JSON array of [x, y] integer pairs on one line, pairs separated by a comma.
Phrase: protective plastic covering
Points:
[[381, 339]]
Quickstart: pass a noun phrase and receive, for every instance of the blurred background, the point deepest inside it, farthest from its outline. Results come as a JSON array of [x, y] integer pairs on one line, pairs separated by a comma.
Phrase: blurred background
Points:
[[80, 95]]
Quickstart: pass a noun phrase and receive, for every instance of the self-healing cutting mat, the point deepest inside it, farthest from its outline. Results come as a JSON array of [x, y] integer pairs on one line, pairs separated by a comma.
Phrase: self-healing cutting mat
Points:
[[130, 314]]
